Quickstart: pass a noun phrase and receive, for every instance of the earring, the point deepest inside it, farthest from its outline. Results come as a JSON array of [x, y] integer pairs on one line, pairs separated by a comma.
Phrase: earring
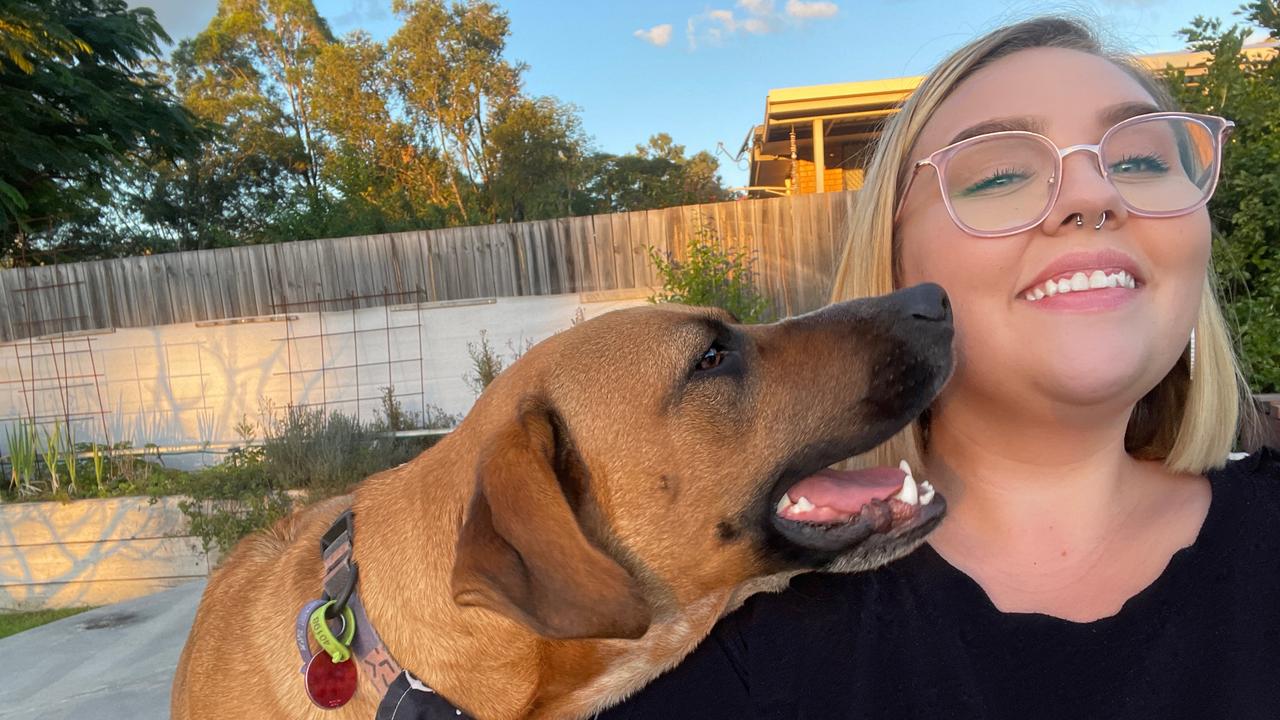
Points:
[[1101, 221], [1192, 354]]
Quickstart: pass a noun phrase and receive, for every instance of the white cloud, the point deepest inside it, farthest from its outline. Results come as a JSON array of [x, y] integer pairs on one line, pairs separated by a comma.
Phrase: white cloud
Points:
[[760, 17], [757, 7], [658, 35], [724, 17], [802, 9]]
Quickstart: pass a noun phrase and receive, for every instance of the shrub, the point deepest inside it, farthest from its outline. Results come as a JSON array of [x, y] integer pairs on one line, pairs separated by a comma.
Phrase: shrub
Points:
[[711, 276], [1246, 207]]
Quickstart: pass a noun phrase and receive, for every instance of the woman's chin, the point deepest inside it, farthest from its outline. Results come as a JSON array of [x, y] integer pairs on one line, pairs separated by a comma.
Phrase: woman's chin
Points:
[[1115, 381]]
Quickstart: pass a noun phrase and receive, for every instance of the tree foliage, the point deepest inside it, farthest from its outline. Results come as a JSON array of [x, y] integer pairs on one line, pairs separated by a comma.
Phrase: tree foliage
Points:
[[1246, 207], [81, 108], [266, 127]]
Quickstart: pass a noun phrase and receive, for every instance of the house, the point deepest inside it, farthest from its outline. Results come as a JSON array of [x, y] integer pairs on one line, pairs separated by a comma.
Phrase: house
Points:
[[817, 138]]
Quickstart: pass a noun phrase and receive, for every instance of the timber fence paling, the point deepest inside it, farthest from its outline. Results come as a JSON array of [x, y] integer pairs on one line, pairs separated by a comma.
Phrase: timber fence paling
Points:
[[793, 241]]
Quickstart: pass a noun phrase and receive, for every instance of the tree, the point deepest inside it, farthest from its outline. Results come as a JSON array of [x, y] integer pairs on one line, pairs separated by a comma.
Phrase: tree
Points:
[[657, 175], [81, 111], [383, 178], [538, 150], [274, 43], [1246, 207], [234, 190], [452, 79]]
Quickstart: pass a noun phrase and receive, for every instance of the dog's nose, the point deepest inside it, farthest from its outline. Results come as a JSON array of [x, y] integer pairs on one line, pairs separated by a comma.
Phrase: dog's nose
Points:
[[927, 301]]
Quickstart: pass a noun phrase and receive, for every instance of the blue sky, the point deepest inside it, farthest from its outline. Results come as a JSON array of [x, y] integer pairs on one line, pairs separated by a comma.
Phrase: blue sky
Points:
[[707, 86]]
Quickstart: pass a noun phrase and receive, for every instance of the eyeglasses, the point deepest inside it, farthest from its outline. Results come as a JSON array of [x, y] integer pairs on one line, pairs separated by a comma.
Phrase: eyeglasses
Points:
[[1161, 165]]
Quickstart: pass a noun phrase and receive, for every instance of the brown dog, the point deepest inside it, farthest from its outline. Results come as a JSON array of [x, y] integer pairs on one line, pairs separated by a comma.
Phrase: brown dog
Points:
[[608, 498]]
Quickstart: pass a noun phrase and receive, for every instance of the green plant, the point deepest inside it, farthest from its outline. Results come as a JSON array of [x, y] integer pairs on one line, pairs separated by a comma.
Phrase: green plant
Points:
[[69, 459], [486, 364], [99, 465], [21, 440], [230, 500], [1246, 206], [711, 276], [50, 452]]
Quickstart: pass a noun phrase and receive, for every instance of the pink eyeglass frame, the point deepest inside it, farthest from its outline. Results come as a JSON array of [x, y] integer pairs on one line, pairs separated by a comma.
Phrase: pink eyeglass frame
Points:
[[1217, 127]]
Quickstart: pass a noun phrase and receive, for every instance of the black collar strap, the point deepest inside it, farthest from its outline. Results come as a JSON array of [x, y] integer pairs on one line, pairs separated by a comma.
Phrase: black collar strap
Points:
[[404, 697]]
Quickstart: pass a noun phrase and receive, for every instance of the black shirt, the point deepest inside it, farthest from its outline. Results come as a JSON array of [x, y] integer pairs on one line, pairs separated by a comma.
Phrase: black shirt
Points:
[[920, 639]]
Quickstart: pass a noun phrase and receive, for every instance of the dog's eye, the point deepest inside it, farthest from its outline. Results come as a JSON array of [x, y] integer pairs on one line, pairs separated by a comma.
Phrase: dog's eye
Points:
[[712, 358]]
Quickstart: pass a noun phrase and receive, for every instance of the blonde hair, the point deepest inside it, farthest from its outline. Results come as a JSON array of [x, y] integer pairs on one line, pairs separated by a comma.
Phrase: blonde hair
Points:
[[1190, 425]]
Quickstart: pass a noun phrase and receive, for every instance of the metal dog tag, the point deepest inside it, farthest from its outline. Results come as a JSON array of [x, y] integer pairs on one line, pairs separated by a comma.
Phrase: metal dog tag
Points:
[[329, 684]]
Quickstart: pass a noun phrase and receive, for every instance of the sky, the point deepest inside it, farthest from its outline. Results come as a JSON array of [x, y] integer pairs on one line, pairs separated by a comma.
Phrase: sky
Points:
[[700, 71]]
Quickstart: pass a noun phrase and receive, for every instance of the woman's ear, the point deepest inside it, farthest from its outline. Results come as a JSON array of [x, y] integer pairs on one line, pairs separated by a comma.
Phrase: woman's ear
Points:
[[522, 552]]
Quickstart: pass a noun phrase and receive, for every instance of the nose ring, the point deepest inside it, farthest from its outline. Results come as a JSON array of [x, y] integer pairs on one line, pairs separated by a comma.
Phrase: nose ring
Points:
[[1079, 220], [1101, 221]]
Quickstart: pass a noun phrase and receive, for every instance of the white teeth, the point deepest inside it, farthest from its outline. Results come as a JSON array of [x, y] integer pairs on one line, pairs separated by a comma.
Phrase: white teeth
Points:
[[802, 506], [908, 494], [784, 502], [1095, 280], [926, 492]]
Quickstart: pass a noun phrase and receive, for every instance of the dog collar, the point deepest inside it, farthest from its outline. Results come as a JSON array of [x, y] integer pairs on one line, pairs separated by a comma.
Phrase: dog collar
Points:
[[404, 697]]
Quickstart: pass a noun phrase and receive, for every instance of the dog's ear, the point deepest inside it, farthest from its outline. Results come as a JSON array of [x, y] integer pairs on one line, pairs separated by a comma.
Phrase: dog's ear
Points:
[[522, 553]]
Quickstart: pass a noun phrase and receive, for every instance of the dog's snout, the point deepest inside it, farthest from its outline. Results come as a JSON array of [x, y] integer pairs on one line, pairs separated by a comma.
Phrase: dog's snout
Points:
[[927, 302]]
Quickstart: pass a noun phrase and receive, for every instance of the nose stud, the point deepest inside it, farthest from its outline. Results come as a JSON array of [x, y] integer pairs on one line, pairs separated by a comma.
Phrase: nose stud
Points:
[[1079, 220]]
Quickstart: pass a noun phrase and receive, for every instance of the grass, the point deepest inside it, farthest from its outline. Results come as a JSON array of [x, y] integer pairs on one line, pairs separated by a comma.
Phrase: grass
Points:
[[14, 623]]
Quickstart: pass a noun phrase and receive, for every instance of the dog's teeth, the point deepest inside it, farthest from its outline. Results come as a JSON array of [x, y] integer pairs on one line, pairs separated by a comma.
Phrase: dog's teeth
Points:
[[926, 492], [908, 494], [802, 506], [784, 502]]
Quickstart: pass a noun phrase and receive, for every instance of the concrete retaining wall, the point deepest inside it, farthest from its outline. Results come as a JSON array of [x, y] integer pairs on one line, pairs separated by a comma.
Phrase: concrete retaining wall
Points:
[[94, 552]]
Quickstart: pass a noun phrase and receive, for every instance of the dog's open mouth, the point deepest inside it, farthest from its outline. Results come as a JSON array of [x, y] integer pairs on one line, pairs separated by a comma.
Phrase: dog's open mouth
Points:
[[833, 510]]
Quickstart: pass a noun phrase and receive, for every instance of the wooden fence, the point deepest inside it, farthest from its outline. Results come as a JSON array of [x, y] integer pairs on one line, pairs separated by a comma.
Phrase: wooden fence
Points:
[[794, 240]]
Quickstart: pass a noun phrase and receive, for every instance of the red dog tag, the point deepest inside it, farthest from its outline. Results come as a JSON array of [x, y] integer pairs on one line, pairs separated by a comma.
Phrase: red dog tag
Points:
[[330, 684]]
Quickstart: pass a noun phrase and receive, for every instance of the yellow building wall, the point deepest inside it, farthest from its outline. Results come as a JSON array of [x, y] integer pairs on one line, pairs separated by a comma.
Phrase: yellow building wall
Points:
[[833, 178]]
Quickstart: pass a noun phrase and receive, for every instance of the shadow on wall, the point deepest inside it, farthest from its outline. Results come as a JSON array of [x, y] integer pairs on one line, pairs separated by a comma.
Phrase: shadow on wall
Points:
[[94, 552], [191, 384]]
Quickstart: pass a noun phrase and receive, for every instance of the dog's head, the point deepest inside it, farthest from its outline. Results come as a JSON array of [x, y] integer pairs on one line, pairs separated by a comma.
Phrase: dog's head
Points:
[[653, 456]]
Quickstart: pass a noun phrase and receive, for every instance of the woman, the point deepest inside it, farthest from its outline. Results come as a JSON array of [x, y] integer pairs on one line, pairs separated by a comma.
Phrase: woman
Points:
[[1098, 559]]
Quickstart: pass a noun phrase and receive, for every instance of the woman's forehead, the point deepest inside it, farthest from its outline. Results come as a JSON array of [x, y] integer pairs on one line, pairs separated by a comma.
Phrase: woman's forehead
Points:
[[1054, 91]]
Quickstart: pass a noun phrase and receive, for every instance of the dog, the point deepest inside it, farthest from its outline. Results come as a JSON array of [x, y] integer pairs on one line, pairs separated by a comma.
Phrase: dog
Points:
[[611, 495]]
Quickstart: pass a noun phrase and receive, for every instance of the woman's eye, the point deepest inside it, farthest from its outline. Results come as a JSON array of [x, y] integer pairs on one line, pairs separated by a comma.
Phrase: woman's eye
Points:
[[996, 181], [1135, 164], [712, 358]]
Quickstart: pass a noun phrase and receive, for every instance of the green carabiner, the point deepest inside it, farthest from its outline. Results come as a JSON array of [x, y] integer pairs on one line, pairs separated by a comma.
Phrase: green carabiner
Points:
[[339, 649]]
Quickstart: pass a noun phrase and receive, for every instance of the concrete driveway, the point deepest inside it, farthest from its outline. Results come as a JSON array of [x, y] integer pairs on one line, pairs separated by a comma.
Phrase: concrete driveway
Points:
[[112, 663]]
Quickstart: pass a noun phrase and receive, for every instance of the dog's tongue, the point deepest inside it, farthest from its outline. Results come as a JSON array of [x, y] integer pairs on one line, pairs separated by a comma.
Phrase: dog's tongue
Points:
[[837, 495]]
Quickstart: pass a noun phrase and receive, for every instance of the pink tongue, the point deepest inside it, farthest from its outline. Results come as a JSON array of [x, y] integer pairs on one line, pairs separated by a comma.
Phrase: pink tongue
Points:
[[848, 490]]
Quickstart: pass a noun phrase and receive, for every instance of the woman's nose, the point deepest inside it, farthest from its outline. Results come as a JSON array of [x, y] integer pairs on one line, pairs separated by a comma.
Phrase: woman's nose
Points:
[[1086, 199]]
